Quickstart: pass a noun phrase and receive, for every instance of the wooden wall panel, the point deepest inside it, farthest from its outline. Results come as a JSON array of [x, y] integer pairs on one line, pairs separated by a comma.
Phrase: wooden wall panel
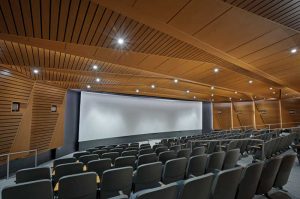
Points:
[[221, 115], [244, 113], [269, 112], [34, 126], [290, 110]]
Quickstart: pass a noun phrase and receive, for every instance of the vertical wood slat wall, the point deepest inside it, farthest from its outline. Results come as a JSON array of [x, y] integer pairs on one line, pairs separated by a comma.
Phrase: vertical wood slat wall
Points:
[[284, 112], [34, 126]]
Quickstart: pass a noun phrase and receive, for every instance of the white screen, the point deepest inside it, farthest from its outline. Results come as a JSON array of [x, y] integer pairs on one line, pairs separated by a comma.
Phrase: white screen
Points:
[[107, 116]]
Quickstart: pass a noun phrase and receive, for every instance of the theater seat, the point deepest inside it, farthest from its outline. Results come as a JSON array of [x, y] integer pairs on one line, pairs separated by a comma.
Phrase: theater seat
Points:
[[32, 174], [145, 151], [40, 189], [67, 169], [184, 153], [115, 180], [124, 161], [198, 151], [83, 186], [226, 183], [164, 192], [249, 180], [284, 171], [86, 158], [166, 155], [111, 155], [231, 158], [147, 176], [197, 187], [147, 158], [99, 166], [130, 153], [174, 170], [81, 153], [215, 161], [196, 165], [63, 161]]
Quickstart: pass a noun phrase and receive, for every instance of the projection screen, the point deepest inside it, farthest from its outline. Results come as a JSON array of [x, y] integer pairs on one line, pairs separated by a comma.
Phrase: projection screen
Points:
[[106, 116]]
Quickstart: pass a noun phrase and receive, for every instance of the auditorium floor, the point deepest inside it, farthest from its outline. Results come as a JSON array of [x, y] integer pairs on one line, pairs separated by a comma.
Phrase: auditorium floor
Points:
[[293, 185]]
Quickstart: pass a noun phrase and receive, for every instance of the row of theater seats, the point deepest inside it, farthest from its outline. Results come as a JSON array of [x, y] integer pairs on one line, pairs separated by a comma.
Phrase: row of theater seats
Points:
[[235, 183]]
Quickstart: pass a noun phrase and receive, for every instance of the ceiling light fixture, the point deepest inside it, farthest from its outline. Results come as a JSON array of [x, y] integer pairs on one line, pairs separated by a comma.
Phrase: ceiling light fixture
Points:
[[212, 94], [250, 81], [194, 97], [294, 50], [95, 67], [187, 91], [212, 87], [137, 90], [216, 70], [120, 41], [98, 79], [88, 86], [153, 86], [235, 92], [241, 99], [35, 71], [175, 81], [230, 98], [271, 88], [274, 92]]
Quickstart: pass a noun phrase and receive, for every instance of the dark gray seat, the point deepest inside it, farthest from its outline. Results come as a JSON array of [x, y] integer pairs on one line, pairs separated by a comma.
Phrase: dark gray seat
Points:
[[91, 150], [145, 146], [111, 155], [164, 192], [175, 148], [284, 171], [231, 158], [249, 180], [166, 155], [145, 151], [115, 180], [268, 175], [63, 161], [174, 170], [196, 165], [147, 158], [125, 161], [86, 158], [81, 153], [161, 149], [83, 186], [100, 152], [198, 151], [130, 153], [99, 166], [40, 189], [67, 169], [215, 161], [198, 187], [147, 176], [119, 150], [184, 153], [32, 174], [226, 183]]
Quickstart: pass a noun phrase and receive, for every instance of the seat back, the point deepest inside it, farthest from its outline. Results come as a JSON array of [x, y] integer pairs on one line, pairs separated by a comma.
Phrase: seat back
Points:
[[124, 161], [215, 161], [99, 166], [63, 161], [100, 152], [86, 158], [147, 176], [166, 155], [130, 153], [32, 174], [196, 165], [161, 149], [174, 170], [249, 180], [284, 171], [175, 148], [226, 183], [268, 175], [147, 158], [115, 180], [111, 155], [81, 153], [198, 187], [67, 169], [166, 192], [184, 153], [145, 151], [119, 150], [231, 158], [198, 151], [83, 186], [29, 190]]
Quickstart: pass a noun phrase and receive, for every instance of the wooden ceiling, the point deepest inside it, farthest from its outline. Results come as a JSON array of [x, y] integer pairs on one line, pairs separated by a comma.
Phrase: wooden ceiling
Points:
[[164, 40]]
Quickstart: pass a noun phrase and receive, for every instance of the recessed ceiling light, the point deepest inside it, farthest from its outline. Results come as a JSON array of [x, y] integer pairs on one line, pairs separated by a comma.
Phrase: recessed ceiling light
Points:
[[175, 81], [153, 86], [286, 94], [98, 79], [294, 50], [187, 91], [254, 97], [250, 81], [88, 86], [212, 87], [235, 92], [95, 67], [137, 90], [120, 41], [241, 99], [35, 71], [216, 70], [212, 100], [194, 97], [212, 94], [274, 92], [230, 98], [271, 88]]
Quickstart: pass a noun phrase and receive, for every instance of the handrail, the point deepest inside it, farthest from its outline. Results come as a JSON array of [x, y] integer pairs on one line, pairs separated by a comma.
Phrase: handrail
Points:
[[19, 152]]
